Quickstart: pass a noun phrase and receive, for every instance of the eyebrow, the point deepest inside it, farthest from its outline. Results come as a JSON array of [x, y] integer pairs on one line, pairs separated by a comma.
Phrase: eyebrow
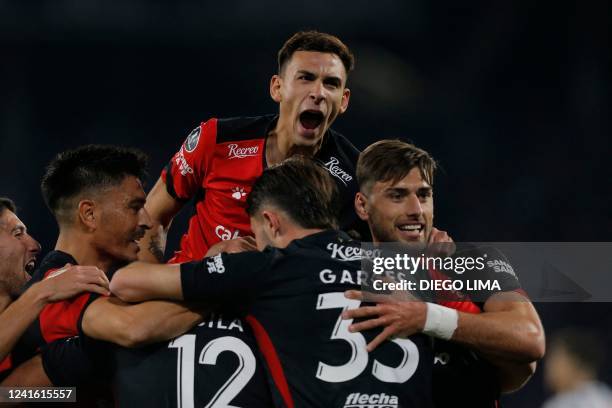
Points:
[[139, 201], [20, 228], [405, 190], [333, 79]]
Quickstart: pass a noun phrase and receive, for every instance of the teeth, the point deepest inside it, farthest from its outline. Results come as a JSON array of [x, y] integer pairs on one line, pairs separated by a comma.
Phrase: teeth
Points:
[[412, 227]]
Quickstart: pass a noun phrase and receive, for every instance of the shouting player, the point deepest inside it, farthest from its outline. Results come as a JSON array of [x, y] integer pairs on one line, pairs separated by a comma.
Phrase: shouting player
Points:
[[18, 310], [293, 291], [396, 199], [221, 158], [96, 195]]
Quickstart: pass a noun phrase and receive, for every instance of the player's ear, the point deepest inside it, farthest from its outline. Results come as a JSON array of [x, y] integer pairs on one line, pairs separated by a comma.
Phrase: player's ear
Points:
[[361, 206], [271, 222], [87, 214], [346, 95], [275, 86]]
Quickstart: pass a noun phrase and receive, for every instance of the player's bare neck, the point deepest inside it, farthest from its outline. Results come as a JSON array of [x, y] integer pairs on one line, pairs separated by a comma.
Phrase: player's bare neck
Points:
[[81, 249], [279, 146]]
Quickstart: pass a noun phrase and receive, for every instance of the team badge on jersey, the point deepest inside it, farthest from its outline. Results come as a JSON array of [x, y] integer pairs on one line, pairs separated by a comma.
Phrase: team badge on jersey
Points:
[[192, 140]]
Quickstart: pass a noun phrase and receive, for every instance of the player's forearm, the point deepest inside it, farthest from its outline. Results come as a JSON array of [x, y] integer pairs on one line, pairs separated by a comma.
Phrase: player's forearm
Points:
[[142, 281], [514, 335], [157, 321], [162, 208], [20, 314]]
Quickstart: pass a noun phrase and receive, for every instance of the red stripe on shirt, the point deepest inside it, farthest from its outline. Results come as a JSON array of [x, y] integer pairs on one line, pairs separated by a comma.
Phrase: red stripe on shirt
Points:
[[271, 356], [60, 319], [6, 364]]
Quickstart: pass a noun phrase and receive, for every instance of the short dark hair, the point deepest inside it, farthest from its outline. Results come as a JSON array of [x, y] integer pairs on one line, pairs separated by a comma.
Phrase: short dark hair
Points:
[[88, 168], [7, 204], [302, 189], [315, 41], [392, 160], [583, 345]]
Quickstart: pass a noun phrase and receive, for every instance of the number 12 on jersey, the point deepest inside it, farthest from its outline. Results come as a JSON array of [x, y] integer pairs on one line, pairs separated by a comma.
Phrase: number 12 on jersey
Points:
[[185, 378]]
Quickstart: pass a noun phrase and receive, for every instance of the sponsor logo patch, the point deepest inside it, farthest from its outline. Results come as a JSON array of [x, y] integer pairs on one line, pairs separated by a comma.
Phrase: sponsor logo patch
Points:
[[382, 400], [192, 140], [215, 264], [335, 170], [225, 233], [237, 152], [501, 266], [182, 164], [350, 253]]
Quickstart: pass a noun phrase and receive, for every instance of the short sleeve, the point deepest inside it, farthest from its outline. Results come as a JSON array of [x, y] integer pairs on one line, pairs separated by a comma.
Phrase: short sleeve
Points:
[[496, 273], [63, 319], [226, 278], [75, 361], [186, 171]]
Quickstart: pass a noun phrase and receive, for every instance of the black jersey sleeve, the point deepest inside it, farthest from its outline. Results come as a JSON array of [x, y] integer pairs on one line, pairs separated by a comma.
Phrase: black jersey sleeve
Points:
[[495, 268], [75, 361], [226, 278]]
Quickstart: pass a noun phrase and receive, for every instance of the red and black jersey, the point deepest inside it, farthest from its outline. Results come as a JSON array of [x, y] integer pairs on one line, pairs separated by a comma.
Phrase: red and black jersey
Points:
[[61, 319], [461, 377], [295, 297], [217, 165], [58, 321]]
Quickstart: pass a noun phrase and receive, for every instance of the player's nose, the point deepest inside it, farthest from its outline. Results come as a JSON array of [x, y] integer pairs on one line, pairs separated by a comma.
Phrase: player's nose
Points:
[[413, 206], [317, 91], [33, 245], [144, 219]]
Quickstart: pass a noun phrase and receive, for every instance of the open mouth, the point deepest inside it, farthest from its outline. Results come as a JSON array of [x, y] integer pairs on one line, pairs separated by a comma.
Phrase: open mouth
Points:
[[30, 266], [311, 119], [412, 230]]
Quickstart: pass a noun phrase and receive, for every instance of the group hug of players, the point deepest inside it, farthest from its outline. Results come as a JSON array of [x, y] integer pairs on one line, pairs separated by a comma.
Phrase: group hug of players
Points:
[[262, 305]]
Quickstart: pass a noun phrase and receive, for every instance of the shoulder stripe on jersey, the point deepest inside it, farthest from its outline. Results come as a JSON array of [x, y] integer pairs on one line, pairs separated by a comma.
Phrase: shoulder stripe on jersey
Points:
[[274, 365], [167, 177], [243, 128], [61, 319]]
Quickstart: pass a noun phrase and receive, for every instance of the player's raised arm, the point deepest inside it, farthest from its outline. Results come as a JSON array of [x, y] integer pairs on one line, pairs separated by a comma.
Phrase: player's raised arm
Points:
[[142, 281], [162, 208], [181, 179]]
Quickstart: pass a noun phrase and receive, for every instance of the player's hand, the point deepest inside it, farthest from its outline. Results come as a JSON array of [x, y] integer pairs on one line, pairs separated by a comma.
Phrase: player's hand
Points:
[[233, 246], [396, 318], [72, 280], [440, 243]]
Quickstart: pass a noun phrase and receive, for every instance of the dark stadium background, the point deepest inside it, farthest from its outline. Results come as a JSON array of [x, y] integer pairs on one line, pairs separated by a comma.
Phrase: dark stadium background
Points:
[[512, 97]]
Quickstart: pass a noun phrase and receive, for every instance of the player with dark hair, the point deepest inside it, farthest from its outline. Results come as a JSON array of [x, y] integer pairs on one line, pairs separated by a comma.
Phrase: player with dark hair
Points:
[[18, 308], [396, 199], [96, 195], [221, 158], [294, 294]]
